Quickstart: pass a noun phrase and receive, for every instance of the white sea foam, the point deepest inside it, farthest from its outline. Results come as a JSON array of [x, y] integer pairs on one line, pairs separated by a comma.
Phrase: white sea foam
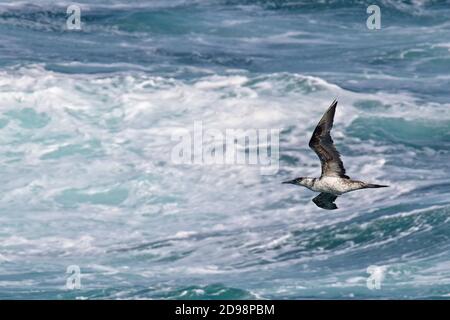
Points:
[[88, 174]]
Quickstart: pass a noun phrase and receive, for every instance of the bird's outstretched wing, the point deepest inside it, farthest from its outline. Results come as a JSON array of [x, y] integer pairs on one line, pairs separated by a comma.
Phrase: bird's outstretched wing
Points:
[[323, 145], [325, 201]]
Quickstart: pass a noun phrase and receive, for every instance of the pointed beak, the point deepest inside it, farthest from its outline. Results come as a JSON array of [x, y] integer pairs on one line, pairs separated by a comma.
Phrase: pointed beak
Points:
[[289, 182]]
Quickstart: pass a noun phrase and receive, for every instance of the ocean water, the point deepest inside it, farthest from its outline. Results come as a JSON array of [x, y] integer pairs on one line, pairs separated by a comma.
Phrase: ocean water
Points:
[[87, 178]]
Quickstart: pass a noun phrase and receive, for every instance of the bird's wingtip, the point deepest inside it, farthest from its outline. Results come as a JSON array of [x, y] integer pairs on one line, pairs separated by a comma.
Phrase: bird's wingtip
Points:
[[334, 103]]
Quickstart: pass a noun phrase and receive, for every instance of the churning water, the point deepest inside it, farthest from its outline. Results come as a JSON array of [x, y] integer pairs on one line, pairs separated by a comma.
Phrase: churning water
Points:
[[87, 179]]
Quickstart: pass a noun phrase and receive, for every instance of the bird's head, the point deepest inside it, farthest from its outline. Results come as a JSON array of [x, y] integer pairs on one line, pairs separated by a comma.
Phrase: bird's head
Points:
[[301, 181]]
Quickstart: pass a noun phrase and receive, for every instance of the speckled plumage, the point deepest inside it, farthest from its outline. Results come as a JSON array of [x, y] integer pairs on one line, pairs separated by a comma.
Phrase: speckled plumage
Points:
[[333, 181]]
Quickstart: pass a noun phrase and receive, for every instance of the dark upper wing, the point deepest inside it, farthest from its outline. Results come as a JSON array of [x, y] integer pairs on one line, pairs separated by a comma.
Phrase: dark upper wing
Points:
[[325, 201], [323, 145]]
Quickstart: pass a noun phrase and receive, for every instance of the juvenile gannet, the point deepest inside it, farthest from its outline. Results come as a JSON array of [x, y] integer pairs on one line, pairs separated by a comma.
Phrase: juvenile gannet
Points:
[[333, 182]]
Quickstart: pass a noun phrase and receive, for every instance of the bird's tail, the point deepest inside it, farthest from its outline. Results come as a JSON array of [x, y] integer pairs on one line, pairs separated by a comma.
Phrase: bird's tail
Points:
[[372, 185]]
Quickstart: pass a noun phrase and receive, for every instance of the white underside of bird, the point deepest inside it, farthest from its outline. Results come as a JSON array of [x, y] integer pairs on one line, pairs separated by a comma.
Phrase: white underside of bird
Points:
[[334, 185]]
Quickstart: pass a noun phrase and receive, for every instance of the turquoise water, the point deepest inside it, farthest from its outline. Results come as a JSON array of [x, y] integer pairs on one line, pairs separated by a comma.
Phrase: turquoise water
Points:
[[87, 179]]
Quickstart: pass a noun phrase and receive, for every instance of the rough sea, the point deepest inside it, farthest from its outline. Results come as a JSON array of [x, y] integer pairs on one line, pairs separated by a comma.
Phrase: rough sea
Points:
[[87, 180]]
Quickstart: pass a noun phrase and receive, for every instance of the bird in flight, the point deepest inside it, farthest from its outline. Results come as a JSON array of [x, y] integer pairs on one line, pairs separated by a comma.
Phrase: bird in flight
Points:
[[333, 182]]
